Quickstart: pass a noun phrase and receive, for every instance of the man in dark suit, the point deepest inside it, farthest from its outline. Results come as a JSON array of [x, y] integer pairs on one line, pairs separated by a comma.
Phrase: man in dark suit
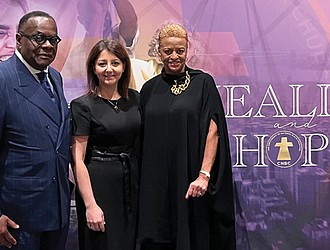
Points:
[[35, 137]]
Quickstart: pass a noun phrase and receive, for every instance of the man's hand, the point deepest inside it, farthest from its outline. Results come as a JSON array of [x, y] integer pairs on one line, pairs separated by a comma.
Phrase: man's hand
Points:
[[6, 239]]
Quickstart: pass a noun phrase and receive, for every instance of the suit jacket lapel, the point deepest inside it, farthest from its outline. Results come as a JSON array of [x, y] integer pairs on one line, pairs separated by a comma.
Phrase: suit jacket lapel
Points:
[[29, 88], [63, 105]]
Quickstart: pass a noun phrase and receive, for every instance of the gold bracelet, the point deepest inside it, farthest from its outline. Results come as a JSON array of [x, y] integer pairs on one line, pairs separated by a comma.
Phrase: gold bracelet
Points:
[[207, 174]]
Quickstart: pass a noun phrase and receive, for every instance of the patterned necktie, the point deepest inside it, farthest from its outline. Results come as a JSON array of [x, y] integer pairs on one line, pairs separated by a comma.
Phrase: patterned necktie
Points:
[[46, 85]]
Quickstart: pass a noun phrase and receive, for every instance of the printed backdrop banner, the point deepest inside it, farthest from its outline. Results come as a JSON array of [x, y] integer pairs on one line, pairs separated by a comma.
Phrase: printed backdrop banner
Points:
[[270, 60]]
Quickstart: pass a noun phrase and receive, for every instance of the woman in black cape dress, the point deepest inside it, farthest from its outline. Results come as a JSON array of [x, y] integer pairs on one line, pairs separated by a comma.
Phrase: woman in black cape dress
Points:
[[175, 128]]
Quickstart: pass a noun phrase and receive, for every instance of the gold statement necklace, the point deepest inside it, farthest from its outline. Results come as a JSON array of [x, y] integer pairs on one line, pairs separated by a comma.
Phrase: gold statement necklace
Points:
[[177, 89]]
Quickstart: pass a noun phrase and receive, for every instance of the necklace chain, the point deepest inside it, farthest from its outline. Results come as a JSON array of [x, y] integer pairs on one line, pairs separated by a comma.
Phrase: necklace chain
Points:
[[114, 105], [177, 89]]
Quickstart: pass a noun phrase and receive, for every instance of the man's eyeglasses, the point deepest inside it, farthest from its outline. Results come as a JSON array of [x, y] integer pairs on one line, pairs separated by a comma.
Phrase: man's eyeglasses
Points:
[[40, 38]]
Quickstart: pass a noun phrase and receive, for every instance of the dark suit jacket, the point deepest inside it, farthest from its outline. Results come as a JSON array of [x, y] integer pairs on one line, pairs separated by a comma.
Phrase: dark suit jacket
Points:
[[35, 137]]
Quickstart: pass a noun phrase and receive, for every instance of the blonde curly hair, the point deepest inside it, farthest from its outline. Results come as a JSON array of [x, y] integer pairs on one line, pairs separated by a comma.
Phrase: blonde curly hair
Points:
[[173, 30], [168, 29]]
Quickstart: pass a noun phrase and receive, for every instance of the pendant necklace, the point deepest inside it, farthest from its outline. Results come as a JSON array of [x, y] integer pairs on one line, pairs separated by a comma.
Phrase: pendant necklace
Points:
[[113, 104]]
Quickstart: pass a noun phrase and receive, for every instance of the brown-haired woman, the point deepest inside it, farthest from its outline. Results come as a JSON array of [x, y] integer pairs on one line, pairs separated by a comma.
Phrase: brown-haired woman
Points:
[[106, 125]]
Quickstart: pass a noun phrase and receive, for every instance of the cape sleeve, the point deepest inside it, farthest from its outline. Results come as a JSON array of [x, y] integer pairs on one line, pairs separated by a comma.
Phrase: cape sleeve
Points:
[[221, 184]]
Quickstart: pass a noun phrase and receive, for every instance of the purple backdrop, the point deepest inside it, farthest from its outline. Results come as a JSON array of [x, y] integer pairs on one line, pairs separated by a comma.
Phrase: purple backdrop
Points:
[[271, 63]]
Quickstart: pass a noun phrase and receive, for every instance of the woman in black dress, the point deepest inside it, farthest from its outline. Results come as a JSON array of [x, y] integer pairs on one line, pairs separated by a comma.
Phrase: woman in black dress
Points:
[[106, 124], [186, 189]]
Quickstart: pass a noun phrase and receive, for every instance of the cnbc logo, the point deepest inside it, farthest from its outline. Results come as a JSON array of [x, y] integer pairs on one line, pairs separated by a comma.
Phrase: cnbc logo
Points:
[[284, 149]]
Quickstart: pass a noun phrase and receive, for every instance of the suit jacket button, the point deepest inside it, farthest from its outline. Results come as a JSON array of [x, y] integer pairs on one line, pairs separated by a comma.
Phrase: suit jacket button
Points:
[[47, 126]]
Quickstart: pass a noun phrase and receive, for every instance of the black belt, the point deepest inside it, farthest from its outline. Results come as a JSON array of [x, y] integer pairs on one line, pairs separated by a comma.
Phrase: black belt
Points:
[[124, 158]]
